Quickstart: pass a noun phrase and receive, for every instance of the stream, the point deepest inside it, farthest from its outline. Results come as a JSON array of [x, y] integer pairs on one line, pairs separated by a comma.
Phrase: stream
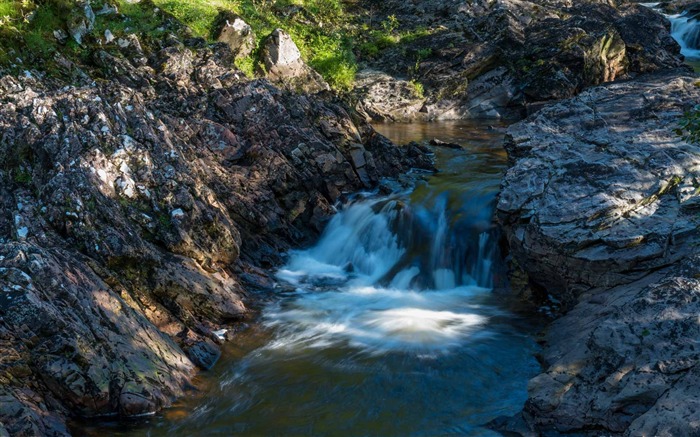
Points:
[[685, 29], [389, 325]]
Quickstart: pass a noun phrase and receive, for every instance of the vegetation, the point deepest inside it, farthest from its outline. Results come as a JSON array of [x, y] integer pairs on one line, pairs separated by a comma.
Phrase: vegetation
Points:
[[689, 127], [322, 29]]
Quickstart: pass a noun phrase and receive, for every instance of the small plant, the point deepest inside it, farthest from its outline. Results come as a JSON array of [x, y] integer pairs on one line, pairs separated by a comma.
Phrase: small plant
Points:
[[390, 24], [418, 88], [247, 66], [689, 126], [22, 176]]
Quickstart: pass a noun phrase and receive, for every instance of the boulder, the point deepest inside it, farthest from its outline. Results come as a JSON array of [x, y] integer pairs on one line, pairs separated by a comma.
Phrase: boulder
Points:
[[601, 188], [385, 98], [230, 29], [600, 208], [282, 63]]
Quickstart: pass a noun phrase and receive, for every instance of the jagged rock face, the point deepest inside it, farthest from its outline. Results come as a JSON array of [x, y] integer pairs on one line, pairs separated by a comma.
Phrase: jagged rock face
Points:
[[386, 98], [601, 189], [230, 29], [493, 59], [283, 64], [81, 21], [600, 207], [624, 361], [131, 207]]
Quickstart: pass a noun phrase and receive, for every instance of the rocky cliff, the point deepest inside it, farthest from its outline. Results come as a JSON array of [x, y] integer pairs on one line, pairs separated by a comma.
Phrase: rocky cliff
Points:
[[137, 211], [600, 207]]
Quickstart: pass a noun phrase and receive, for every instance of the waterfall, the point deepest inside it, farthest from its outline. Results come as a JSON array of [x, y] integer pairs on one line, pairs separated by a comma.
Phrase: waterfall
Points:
[[685, 29], [389, 275]]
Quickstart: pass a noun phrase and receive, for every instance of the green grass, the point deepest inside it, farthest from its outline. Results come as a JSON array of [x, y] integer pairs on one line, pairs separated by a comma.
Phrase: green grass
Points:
[[325, 43], [326, 35]]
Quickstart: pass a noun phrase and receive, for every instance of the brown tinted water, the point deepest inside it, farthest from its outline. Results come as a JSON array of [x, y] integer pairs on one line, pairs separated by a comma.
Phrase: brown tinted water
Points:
[[386, 327]]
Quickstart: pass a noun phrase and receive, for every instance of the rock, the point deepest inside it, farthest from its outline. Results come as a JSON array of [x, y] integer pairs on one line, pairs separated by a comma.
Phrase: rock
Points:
[[61, 36], [283, 64], [600, 190], [107, 9], [80, 339], [150, 202], [599, 207], [81, 21], [230, 29], [439, 143], [385, 98], [204, 354], [494, 59], [24, 416], [622, 360], [109, 37]]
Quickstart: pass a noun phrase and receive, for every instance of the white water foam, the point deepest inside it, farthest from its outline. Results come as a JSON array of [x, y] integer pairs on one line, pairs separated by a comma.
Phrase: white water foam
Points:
[[358, 252], [685, 30], [378, 320]]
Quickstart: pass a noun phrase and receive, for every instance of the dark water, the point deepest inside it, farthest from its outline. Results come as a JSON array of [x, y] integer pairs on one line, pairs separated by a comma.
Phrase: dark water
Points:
[[388, 326]]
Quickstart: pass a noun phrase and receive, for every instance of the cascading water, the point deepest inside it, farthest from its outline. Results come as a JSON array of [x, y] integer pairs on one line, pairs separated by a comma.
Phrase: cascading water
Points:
[[388, 326], [387, 276], [685, 29]]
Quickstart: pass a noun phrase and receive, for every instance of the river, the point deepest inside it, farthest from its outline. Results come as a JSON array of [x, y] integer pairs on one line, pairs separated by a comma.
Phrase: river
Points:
[[388, 325]]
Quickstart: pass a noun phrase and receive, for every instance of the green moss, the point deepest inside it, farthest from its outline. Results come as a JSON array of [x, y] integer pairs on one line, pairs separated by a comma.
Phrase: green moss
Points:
[[22, 176]]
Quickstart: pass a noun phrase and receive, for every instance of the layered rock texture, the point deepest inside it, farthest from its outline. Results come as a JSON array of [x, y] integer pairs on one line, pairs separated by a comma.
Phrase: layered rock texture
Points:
[[497, 59], [600, 207], [136, 213]]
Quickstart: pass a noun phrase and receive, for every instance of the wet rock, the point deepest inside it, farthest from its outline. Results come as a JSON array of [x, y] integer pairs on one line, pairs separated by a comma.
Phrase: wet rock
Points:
[[203, 353], [230, 29], [283, 64], [439, 143]]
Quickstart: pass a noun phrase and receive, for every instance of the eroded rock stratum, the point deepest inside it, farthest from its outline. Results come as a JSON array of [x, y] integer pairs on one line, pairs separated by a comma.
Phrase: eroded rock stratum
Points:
[[600, 207]]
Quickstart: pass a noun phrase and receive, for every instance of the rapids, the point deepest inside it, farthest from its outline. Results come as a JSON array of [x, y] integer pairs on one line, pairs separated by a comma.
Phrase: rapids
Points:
[[396, 322]]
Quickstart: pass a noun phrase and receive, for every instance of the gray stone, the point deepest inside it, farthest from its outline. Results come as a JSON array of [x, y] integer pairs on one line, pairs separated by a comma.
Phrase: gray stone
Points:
[[598, 208], [81, 21], [283, 64], [230, 29], [594, 195]]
